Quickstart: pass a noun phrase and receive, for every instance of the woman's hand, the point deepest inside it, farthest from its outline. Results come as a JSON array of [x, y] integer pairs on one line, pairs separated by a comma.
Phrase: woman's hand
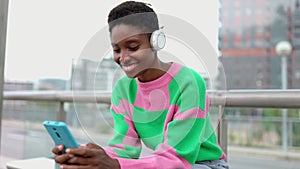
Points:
[[60, 158], [90, 156]]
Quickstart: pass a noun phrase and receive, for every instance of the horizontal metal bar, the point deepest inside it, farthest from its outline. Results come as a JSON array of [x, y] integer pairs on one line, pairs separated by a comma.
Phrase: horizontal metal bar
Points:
[[59, 96], [261, 118], [228, 98], [263, 98]]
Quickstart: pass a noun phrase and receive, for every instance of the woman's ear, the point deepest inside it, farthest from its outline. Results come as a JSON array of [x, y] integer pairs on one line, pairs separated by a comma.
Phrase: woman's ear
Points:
[[158, 40]]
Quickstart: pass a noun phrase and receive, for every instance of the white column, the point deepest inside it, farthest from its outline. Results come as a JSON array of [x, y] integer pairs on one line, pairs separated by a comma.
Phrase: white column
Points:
[[284, 49], [3, 28]]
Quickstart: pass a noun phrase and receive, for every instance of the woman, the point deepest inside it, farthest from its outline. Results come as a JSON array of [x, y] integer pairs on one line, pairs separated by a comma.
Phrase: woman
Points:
[[162, 104]]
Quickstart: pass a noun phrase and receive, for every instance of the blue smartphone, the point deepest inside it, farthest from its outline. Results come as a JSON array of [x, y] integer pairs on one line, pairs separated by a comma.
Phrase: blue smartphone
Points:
[[61, 134]]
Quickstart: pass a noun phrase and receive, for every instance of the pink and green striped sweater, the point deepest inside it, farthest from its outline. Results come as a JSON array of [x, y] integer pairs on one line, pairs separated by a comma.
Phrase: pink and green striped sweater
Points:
[[169, 115]]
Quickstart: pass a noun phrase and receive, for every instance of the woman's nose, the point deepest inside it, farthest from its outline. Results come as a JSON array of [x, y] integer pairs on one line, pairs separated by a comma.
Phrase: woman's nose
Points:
[[119, 57], [122, 55]]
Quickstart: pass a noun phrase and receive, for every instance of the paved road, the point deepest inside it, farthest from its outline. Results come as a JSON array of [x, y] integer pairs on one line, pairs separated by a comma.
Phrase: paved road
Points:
[[16, 143]]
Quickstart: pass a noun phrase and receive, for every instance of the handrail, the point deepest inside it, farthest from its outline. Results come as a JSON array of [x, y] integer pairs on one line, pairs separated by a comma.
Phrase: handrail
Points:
[[227, 98], [257, 98], [59, 96]]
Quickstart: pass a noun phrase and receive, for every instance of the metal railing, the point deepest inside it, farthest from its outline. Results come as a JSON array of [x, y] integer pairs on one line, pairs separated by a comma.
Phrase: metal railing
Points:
[[228, 98], [220, 99]]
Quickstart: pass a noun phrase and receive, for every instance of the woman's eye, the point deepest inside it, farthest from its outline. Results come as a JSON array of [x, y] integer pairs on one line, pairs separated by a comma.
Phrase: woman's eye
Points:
[[134, 48], [117, 50]]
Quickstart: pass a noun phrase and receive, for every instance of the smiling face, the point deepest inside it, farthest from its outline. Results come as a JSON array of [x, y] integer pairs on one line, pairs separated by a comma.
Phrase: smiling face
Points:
[[132, 51]]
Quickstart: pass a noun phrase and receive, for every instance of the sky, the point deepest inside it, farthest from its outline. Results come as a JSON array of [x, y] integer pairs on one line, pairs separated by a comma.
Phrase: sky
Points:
[[44, 36]]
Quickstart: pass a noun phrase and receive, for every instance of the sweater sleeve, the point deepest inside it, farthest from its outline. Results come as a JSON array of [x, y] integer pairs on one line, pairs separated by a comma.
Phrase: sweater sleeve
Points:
[[125, 142]]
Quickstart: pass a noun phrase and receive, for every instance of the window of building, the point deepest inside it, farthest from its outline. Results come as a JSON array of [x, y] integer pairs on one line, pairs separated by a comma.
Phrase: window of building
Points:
[[237, 4], [297, 74], [248, 12]]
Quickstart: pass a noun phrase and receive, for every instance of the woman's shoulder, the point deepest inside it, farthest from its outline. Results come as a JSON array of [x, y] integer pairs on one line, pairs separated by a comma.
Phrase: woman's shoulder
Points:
[[188, 73], [125, 80], [125, 83]]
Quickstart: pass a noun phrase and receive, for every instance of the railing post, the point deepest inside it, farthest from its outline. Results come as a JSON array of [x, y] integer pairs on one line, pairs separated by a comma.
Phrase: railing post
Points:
[[290, 138], [61, 113], [284, 130], [222, 129]]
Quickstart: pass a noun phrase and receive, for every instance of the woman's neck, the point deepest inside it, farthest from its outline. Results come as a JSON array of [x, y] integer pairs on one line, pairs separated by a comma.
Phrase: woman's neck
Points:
[[159, 69]]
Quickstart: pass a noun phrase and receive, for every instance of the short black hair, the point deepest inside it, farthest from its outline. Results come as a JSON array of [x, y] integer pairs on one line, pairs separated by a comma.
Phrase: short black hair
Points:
[[135, 14]]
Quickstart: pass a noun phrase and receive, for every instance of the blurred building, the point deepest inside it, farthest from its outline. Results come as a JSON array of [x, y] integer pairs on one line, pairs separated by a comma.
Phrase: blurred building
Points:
[[52, 84], [249, 32], [17, 85], [94, 75]]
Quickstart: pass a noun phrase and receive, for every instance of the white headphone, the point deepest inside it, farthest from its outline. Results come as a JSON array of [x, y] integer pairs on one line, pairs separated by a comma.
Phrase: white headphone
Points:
[[158, 40]]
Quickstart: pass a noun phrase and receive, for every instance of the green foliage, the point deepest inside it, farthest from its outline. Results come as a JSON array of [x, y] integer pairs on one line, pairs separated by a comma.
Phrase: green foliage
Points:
[[268, 128], [278, 113], [272, 112], [292, 113]]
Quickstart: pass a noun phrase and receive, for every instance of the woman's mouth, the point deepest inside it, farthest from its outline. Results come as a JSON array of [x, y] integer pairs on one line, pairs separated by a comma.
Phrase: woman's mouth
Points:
[[128, 67]]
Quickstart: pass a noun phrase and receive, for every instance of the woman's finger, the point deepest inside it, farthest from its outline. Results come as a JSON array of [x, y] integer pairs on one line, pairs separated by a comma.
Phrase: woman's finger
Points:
[[60, 159], [79, 160], [58, 149], [65, 166], [85, 152]]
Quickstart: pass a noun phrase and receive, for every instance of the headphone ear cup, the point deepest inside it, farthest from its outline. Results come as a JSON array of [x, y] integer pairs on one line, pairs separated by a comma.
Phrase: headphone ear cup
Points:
[[158, 40]]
